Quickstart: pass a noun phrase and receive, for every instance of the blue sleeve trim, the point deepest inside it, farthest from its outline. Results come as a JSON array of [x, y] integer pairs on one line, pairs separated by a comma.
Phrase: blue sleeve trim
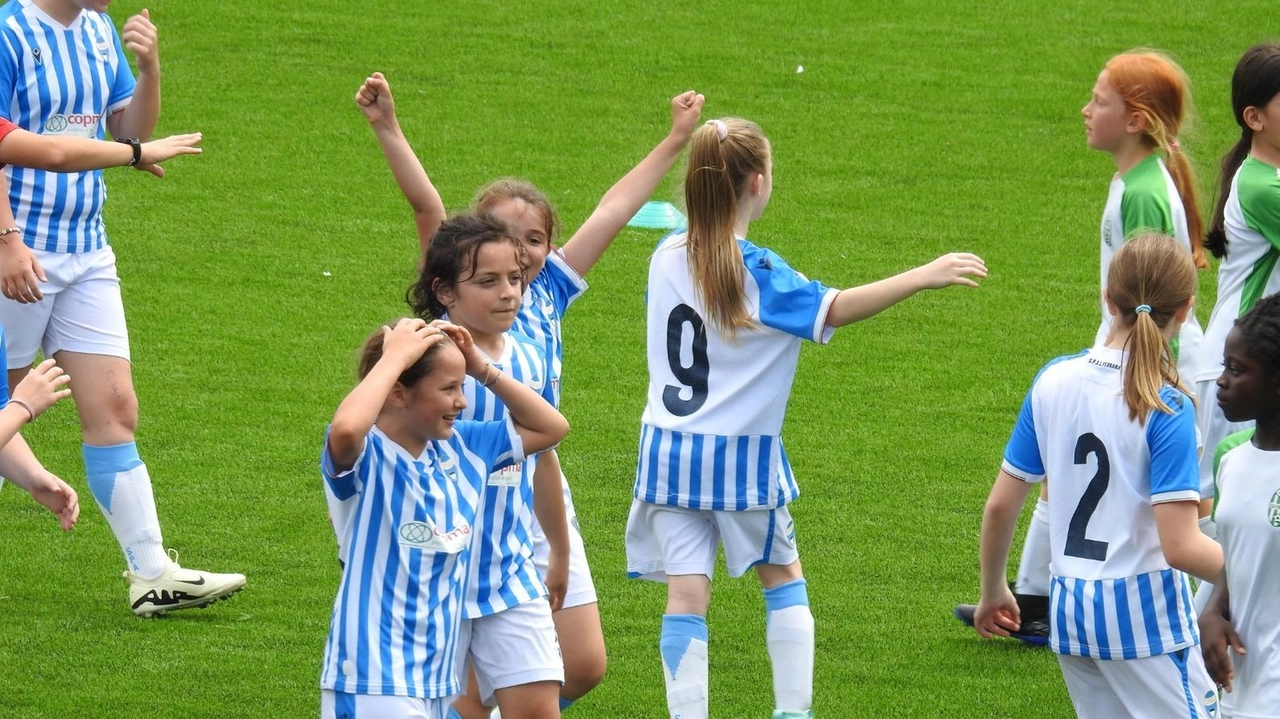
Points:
[[788, 302], [344, 484], [1171, 439]]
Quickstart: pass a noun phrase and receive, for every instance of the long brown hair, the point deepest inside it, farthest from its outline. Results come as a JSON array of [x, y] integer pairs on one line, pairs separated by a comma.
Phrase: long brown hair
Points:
[[1255, 81], [1154, 86], [723, 157], [1156, 274], [511, 188]]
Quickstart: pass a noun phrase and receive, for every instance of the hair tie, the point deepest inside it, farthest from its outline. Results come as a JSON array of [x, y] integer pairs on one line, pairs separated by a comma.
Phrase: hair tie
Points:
[[1174, 146], [1141, 309], [721, 130]]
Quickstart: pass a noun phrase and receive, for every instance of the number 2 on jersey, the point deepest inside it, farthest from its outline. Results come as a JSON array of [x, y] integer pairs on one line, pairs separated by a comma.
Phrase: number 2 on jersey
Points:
[[1077, 544], [692, 376]]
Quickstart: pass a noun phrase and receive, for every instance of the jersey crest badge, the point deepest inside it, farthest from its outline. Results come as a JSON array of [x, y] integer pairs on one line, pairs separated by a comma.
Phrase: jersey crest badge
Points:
[[1273, 509]]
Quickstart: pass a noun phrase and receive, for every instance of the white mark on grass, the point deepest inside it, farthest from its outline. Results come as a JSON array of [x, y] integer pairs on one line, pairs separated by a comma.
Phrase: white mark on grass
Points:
[[799, 69], [326, 273]]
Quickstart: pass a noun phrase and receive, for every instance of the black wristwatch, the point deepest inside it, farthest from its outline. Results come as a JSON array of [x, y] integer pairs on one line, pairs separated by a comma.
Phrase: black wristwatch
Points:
[[136, 144]]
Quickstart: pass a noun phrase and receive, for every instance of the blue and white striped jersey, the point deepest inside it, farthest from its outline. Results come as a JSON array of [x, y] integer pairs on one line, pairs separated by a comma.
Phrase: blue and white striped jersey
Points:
[[543, 308], [711, 431], [1113, 595], [502, 572], [397, 617], [58, 80]]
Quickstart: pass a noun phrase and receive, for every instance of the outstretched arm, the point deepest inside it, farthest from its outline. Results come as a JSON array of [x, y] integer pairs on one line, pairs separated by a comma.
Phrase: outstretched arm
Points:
[[81, 154], [859, 303], [375, 101], [624, 199]]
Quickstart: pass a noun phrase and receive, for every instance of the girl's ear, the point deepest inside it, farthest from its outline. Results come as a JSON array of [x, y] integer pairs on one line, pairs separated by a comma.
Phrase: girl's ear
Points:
[[444, 295], [1137, 123], [757, 182], [1252, 117], [1185, 310], [1111, 306], [398, 397]]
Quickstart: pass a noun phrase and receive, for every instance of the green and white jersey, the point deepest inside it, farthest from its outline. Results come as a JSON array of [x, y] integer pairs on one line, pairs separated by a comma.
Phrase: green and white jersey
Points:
[[1247, 510], [1248, 272], [1145, 200]]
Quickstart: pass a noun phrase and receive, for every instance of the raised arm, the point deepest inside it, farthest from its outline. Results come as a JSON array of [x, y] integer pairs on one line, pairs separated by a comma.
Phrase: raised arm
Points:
[[375, 101], [625, 198], [540, 425], [859, 303], [138, 118], [355, 416]]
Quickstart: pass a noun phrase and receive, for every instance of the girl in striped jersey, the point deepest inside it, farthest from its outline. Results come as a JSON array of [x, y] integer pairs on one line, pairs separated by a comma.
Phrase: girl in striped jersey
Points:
[[1244, 233], [556, 281], [410, 474], [1134, 114], [725, 321], [1242, 612], [1115, 432], [474, 276]]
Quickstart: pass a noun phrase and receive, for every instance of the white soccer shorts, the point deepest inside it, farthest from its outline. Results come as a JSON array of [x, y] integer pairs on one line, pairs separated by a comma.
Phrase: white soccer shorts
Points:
[[1166, 686], [582, 589], [340, 705], [663, 541], [82, 310], [513, 647]]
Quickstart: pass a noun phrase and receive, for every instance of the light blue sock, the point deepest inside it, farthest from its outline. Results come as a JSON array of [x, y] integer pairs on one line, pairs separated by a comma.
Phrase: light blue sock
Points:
[[684, 657], [789, 636], [119, 482], [566, 703], [453, 713], [103, 464]]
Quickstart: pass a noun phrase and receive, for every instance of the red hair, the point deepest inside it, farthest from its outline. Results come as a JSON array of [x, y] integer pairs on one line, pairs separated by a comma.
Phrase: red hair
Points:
[[1154, 86]]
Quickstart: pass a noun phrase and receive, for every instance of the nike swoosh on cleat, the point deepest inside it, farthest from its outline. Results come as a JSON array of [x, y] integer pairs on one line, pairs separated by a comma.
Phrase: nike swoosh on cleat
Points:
[[190, 581]]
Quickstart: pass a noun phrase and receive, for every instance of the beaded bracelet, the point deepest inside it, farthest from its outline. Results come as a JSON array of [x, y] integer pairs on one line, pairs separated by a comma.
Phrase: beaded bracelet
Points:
[[486, 382]]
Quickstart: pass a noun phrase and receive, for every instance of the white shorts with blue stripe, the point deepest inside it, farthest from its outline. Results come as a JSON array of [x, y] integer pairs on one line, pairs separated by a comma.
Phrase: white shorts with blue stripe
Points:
[[1164, 686], [665, 541]]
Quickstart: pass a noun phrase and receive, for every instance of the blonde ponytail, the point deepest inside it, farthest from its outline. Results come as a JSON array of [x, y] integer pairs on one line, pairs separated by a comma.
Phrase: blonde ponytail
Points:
[[723, 156], [1151, 279]]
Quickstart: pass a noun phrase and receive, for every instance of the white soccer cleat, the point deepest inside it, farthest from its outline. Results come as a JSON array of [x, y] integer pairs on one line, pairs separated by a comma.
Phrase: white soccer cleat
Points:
[[177, 588]]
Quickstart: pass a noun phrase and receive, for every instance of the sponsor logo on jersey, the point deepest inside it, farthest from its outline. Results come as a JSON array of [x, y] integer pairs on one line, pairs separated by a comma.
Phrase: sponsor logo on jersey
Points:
[[78, 124], [1106, 231], [507, 476], [1273, 509], [425, 535]]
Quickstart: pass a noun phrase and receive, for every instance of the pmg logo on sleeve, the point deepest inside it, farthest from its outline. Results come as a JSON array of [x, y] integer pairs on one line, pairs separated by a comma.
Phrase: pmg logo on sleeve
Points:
[[77, 124]]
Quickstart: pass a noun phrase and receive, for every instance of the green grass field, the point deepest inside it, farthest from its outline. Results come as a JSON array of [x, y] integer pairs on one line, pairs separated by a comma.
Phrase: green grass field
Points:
[[251, 275]]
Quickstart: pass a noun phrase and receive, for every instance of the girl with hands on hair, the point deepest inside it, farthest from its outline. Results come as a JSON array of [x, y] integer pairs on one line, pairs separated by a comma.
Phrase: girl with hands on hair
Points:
[[408, 474]]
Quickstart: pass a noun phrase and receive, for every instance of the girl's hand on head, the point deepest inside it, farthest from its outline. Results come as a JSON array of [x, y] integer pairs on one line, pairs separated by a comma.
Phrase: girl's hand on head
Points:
[[954, 269], [477, 363], [375, 101], [405, 343], [685, 110], [42, 387]]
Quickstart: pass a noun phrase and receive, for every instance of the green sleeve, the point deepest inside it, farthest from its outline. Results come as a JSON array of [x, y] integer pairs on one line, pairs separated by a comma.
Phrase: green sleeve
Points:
[[1259, 192], [1145, 211]]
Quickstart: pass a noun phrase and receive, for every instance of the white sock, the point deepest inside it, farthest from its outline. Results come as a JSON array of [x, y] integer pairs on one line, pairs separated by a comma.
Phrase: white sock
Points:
[[789, 636], [684, 663], [119, 482], [1033, 568]]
